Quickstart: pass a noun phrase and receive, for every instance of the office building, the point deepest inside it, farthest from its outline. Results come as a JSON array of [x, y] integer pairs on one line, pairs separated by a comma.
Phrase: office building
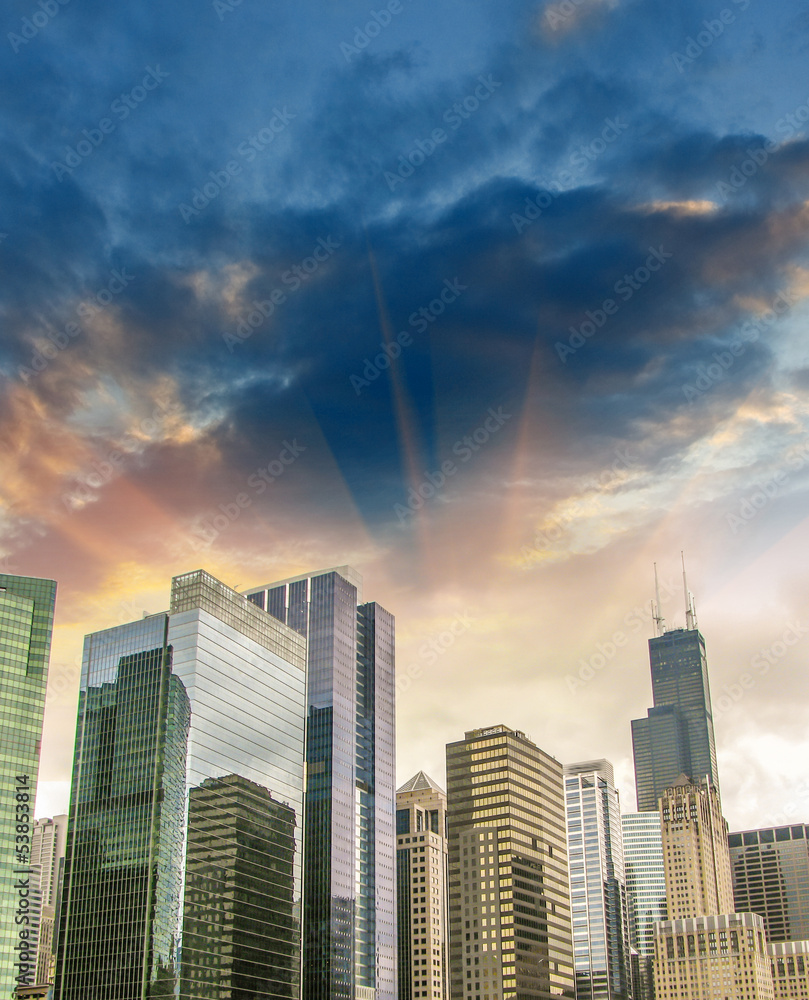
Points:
[[695, 851], [349, 917], [47, 852], [26, 625], [718, 957], [598, 901], [677, 736], [422, 898], [770, 870], [183, 863], [646, 894], [510, 930], [790, 969]]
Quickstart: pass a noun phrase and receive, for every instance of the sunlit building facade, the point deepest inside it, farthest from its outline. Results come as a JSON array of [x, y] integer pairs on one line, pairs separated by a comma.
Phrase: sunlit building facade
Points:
[[349, 916], [47, 853], [26, 625], [183, 861], [422, 898], [510, 930]]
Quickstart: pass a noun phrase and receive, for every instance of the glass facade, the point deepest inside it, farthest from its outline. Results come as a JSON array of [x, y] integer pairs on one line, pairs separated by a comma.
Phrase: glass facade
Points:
[[597, 883], [770, 870], [684, 739], [183, 863], [509, 897], [349, 918], [646, 893], [26, 624]]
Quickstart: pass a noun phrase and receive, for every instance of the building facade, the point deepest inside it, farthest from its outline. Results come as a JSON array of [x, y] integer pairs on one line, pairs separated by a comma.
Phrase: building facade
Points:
[[349, 917], [26, 626], [598, 902], [646, 894], [677, 737], [47, 853], [695, 851], [422, 898], [790, 969], [770, 870], [183, 860], [719, 957], [510, 928]]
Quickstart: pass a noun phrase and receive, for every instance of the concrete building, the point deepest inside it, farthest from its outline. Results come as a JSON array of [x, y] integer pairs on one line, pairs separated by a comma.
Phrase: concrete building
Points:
[[646, 894], [598, 901], [718, 957], [47, 852], [790, 969], [770, 869], [423, 889], [510, 930], [695, 851]]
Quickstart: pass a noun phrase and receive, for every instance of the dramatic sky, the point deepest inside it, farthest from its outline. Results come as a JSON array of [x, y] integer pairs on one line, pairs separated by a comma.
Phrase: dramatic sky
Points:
[[507, 300]]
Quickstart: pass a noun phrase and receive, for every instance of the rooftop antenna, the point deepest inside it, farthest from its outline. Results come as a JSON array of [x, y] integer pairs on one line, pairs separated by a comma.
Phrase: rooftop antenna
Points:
[[656, 615], [690, 613]]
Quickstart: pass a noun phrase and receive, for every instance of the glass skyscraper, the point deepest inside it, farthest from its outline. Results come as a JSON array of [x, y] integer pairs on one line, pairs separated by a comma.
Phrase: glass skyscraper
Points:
[[26, 624], [598, 904], [183, 863], [646, 893], [677, 737], [349, 916]]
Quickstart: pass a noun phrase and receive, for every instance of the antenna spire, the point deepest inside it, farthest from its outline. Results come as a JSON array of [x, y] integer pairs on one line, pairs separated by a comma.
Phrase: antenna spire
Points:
[[690, 613], [656, 614]]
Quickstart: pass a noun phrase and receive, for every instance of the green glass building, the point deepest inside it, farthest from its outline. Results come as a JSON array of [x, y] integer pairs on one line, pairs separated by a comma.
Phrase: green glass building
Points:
[[26, 624], [183, 864]]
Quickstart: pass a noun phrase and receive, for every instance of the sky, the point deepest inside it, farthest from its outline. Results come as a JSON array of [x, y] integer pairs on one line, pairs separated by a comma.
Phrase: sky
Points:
[[500, 304]]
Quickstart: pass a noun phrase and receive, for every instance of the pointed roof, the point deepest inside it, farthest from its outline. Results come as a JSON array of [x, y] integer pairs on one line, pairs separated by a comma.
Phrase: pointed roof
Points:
[[420, 783]]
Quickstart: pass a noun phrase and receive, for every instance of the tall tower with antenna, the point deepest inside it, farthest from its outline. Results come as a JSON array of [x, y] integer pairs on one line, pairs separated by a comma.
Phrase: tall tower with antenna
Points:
[[677, 736]]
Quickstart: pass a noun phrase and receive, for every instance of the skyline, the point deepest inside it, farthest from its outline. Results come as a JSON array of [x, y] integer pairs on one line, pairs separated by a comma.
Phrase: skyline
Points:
[[498, 306]]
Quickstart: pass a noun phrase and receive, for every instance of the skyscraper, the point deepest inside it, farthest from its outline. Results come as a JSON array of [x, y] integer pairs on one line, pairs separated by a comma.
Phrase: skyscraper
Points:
[[510, 932], [349, 917], [770, 870], [423, 890], [47, 851], [677, 737], [646, 894], [26, 625], [185, 810], [597, 882]]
